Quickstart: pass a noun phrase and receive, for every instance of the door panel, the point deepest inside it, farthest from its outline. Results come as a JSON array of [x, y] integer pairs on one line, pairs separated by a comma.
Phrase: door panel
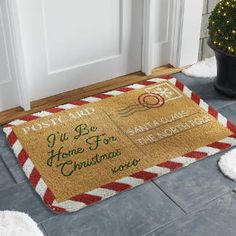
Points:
[[70, 44], [162, 32], [8, 87]]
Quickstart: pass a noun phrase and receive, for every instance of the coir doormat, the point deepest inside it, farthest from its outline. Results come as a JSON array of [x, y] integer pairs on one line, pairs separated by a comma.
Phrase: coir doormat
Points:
[[91, 149]]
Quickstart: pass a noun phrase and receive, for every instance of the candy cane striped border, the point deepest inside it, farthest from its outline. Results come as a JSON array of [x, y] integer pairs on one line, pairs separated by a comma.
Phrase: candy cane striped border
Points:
[[108, 190]]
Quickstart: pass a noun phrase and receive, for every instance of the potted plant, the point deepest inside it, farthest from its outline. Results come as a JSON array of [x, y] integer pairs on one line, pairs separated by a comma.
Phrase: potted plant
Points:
[[222, 32]]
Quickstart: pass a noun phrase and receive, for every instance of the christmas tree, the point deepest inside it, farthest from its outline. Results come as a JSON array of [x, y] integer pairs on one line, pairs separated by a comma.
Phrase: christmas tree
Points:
[[222, 26]]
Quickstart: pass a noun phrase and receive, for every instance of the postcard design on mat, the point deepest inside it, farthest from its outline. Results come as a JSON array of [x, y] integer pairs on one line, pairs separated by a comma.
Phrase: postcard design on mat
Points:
[[95, 144]]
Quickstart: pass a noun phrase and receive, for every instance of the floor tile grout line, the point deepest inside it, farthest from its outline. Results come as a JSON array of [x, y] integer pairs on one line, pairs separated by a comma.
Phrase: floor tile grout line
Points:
[[234, 191], [169, 197], [44, 230], [13, 177], [187, 213], [164, 224], [206, 203], [12, 186], [8, 169], [23, 181], [225, 105], [50, 218]]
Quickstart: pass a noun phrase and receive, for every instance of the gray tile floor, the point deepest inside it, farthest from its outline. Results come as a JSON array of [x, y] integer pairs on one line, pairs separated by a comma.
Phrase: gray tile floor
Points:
[[194, 201]]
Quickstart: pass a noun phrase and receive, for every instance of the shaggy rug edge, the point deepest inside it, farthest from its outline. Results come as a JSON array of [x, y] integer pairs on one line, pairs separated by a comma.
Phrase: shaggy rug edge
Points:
[[202, 69], [227, 164], [18, 224]]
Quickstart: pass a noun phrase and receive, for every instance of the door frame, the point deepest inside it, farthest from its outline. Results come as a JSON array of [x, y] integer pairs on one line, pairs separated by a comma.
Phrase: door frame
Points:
[[186, 27], [15, 51]]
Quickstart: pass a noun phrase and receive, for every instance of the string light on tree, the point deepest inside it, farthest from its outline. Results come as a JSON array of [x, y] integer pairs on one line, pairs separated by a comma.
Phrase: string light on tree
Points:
[[222, 26]]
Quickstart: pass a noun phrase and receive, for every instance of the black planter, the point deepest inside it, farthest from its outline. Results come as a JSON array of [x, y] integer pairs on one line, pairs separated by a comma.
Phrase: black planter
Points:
[[225, 81]]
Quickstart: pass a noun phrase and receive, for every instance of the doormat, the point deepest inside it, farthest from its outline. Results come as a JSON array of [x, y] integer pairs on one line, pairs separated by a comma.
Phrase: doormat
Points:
[[81, 153]]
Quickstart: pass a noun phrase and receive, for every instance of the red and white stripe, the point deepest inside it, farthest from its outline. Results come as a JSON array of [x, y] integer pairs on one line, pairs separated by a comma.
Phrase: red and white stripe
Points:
[[128, 182]]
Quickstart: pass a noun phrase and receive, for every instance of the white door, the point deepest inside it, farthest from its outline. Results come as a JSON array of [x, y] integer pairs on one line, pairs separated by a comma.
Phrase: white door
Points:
[[9, 96], [70, 44]]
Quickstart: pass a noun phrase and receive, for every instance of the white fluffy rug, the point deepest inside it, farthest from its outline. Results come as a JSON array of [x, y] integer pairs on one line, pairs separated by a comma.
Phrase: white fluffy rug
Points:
[[14, 223], [202, 69], [227, 164]]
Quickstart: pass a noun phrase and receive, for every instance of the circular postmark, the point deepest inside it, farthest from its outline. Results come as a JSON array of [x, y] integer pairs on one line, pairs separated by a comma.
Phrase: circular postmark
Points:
[[151, 100]]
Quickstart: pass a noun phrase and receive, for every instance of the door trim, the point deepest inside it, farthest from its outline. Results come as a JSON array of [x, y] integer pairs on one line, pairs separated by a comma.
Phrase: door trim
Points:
[[15, 50], [186, 32], [186, 27], [177, 34], [147, 53]]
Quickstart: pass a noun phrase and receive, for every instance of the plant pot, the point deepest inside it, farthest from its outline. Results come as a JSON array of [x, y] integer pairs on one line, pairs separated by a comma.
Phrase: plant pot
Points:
[[225, 81]]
